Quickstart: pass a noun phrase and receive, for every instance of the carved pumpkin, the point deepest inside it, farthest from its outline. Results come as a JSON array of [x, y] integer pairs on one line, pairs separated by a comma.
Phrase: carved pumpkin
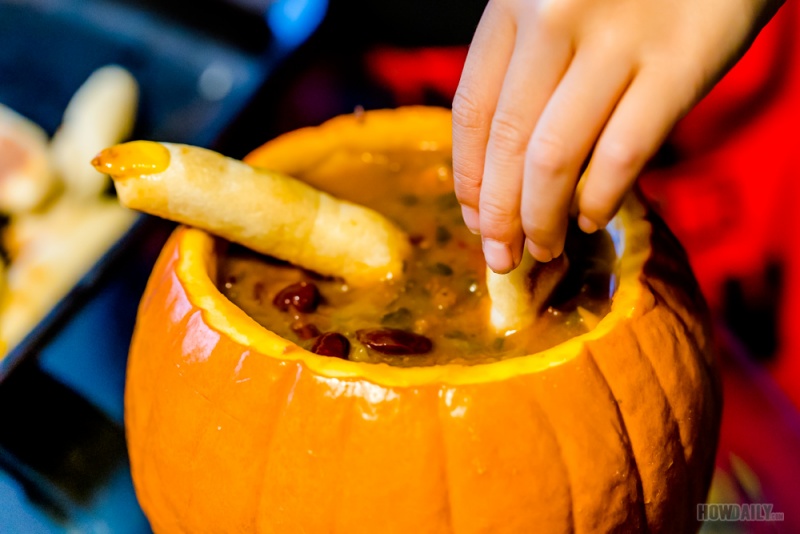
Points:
[[232, 428]]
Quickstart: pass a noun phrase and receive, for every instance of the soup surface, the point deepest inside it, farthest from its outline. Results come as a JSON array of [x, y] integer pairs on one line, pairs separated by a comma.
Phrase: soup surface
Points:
[[438, 312]]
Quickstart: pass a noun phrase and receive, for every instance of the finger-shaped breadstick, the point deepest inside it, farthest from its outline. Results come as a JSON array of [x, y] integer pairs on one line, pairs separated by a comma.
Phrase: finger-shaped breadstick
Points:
[[519, 296], [268, 212], [26, 177], [51, 250], [2, 281], [100, 114]]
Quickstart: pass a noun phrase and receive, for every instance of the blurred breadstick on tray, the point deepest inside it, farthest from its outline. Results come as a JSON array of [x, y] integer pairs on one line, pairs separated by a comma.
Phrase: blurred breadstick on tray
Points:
[[59, 219]]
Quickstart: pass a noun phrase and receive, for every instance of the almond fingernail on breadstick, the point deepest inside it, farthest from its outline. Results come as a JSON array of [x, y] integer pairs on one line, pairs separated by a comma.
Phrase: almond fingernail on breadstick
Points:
[[265, 211]]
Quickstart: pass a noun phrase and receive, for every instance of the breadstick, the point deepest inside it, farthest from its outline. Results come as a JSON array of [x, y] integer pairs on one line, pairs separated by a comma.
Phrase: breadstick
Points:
[[2, 280], [51, 251], [100, 114], [266, 211], [519, 296], [26, 177]]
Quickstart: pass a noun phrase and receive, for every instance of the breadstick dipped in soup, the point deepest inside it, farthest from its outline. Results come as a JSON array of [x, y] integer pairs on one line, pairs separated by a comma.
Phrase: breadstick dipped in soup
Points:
[[435, 309]]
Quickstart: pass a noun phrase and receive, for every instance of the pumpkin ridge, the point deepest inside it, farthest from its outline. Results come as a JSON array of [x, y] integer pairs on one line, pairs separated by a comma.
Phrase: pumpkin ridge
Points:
[[224, 391], [448, 497], [551, 429], [185, 500], [712, 379], [696, 452], [571, 476], [662, 300], [658, 273], [149, 427], [674, 431], [148, 437], [154, 284], [195, 452], [707, 359], [287, 395], [159, 281], [684, 443], [710, 373], [344, 433], [275, 389], [703, 346], [193, 466], [279, 389], [563, 461], [626, 441]]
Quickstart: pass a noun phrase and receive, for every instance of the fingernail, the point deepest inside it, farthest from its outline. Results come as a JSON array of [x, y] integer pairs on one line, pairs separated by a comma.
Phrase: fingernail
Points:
[[516, 254], [471, 219], [498, 256], [539, 253], [587, 225]]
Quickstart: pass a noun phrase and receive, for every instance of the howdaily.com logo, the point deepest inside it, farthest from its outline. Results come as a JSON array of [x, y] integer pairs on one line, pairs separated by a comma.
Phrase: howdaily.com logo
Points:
[[737, 512]]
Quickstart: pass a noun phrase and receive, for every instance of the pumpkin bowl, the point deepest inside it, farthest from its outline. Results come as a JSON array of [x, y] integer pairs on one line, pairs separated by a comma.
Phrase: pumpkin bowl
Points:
[[232, 428]]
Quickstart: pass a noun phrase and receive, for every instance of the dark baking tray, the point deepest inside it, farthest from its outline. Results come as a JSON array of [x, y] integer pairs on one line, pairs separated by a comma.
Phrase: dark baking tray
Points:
[[63, 463], [194, 75]]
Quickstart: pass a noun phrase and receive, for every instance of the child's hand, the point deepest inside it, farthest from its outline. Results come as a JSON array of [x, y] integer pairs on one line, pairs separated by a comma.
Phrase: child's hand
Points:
[[547, 82]]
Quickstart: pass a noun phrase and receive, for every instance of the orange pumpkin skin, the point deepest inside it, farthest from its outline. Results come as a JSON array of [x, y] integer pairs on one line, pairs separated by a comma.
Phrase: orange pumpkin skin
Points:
[[234, 429]]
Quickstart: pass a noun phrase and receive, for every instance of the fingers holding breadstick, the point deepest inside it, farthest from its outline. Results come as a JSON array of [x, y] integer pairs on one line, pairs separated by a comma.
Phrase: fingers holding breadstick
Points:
[[520, 296], [266, 211]]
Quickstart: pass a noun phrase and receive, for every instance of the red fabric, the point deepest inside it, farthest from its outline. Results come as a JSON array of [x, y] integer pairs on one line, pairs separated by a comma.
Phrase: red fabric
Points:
[[732, 197], [409, 73]]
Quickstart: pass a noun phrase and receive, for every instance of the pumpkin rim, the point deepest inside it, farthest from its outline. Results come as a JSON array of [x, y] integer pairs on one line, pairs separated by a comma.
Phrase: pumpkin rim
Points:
[[197, 259]]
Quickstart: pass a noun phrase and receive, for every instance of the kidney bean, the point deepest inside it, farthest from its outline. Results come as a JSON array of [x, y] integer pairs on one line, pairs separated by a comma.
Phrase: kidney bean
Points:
[[303, 296], [394, 342], [305, 331], [332, 344]]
